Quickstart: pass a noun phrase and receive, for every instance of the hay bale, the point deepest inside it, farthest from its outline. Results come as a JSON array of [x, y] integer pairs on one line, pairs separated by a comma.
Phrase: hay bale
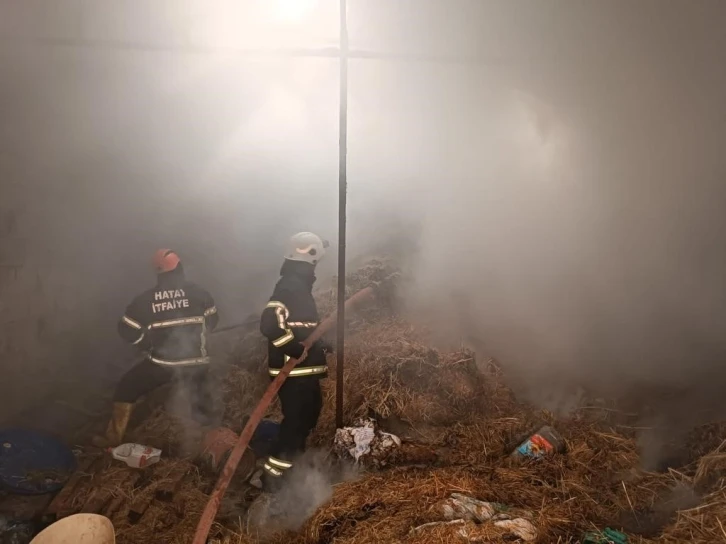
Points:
[[245, 348], [175, 435], [390, 371], [241, 391], [380, 272]]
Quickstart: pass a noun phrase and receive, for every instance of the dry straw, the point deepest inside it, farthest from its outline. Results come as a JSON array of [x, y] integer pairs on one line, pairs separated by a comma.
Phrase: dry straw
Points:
[[459, 424]]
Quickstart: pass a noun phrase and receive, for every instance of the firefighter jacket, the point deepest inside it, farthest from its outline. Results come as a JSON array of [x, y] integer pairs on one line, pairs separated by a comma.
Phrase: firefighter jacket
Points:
[[290, 317], [172, 320]]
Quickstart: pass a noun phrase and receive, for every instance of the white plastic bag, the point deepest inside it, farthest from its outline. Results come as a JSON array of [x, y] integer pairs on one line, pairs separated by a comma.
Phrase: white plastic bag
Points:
[[136, 455], [365, 440]]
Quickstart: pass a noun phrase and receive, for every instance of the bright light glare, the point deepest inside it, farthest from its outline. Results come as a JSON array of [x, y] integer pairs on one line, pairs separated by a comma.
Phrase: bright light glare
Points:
[[265, 23], [293, 11]]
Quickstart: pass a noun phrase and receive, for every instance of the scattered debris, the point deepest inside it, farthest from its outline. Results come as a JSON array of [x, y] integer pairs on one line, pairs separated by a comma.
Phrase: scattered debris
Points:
[[136, 455], [459, 509], [460, 506], [216, 447], [519, 527], [460, 530], [461, 424], [366, 442], [16, 532], [606, 536], [545, 441]]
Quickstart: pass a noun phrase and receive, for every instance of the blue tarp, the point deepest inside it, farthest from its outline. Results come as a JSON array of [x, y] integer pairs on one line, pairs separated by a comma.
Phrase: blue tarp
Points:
[[33, 462]]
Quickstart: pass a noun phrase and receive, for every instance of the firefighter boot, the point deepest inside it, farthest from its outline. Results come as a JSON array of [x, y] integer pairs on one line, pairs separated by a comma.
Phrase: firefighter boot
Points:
[[271, 484], [116, 427]]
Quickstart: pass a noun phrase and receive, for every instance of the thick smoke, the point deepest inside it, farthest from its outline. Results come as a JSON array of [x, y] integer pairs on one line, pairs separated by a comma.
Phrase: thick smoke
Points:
[[569, 227], [310, 485], [561, 201]]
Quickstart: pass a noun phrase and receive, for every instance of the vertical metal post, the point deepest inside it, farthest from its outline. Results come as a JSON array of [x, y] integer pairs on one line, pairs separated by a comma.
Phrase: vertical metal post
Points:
[[342, 203]]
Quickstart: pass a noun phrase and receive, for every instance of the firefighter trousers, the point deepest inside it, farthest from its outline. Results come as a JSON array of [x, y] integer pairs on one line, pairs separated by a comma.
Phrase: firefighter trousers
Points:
[[146, 376], [301, 401]]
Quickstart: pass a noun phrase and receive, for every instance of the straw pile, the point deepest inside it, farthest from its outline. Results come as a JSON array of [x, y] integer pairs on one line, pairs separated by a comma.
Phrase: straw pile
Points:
[[702, 524], [171, 427], [567, 494], [380, 273], [471, 422], [706, 521], [392, 372], [458, 425]]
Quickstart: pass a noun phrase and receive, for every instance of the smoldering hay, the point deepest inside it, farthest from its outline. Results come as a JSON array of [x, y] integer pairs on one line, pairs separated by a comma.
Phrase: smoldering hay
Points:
[[459, 422]]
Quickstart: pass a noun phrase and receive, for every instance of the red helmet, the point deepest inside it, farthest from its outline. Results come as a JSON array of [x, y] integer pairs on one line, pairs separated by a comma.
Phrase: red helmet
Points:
[[165, 260]]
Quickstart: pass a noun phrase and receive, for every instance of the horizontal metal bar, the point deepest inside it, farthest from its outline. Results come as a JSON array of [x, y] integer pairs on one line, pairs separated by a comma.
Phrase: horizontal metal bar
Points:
[[289, 52]]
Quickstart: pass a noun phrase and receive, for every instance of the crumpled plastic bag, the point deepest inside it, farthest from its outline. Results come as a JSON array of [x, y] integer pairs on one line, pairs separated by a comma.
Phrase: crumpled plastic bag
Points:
[[476, 516], [365, 441], [523, 528], [459, 531], [460, 506]]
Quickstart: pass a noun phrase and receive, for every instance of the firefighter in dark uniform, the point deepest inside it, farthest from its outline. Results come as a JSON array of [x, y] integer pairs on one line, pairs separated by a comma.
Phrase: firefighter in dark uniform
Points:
[[290, 317], [170, 322]]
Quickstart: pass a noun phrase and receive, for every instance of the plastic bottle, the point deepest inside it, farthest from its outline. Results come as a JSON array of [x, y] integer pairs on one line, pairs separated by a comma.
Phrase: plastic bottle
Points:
[[136, 455], [545, 441]]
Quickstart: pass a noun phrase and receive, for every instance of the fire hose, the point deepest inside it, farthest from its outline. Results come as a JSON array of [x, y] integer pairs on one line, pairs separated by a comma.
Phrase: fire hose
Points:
[[215, 499]]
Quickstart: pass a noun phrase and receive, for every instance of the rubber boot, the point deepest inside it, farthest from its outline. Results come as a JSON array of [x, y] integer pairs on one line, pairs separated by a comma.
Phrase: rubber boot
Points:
[[271, 484], [116, 427]]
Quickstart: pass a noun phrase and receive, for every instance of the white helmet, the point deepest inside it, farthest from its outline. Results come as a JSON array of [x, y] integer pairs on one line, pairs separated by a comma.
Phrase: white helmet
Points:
[[306, 247]]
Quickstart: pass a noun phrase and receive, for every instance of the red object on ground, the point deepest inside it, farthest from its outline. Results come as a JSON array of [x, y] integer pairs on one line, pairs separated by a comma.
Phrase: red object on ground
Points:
[[210, 511], [216, 443]]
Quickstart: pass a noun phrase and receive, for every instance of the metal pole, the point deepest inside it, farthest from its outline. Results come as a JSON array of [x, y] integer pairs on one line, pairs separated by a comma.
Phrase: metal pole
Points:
[[342, 203]]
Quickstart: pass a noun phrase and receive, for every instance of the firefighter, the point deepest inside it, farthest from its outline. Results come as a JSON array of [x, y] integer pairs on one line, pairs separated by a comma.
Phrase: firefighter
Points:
[[170, 323], [289, 318]]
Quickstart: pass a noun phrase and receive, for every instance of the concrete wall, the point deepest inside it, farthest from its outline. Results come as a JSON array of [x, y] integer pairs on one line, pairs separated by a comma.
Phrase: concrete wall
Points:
[[43, 308]]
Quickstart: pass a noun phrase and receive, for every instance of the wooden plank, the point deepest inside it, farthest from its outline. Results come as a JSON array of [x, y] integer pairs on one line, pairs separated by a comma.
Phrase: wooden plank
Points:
[[168, 486], [76, 499], [141, 503], [96, 501], [62, 499], [113, 507], [103, 495]]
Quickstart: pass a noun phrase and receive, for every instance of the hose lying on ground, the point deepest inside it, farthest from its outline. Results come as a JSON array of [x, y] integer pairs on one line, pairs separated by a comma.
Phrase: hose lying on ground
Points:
[[215, 499]]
